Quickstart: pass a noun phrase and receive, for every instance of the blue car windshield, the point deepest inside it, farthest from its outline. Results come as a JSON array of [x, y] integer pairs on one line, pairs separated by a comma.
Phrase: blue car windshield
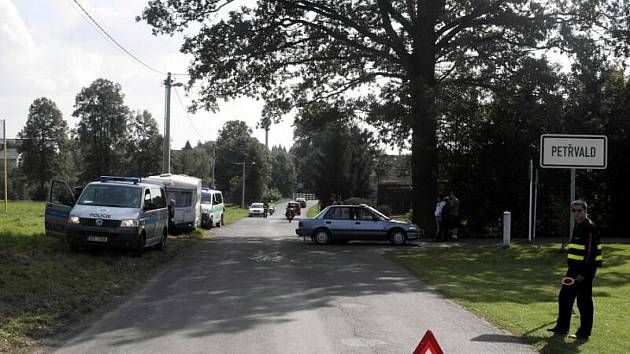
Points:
[[381, 215], [111, 196]]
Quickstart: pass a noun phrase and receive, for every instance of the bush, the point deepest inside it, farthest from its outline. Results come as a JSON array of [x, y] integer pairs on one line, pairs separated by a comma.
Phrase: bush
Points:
[[385, 209], [272, 195], [356, 201]]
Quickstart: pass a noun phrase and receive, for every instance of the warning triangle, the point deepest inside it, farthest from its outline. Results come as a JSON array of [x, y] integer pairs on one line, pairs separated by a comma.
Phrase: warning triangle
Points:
[[428, 344]]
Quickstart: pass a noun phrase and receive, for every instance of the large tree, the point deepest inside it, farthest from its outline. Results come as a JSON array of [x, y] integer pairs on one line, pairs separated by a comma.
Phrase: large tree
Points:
[[144, 146], [335, 156], [44, 147], [292, 52], [236, 146], [102, 129], [283, 175]]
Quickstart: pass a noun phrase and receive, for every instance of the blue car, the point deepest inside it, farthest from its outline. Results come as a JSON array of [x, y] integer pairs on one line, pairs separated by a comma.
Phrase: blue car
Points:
[[356, 222]]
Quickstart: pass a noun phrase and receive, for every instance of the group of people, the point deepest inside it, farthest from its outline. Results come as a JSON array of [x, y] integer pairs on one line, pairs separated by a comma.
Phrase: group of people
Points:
[[335, 199], [447, 217]]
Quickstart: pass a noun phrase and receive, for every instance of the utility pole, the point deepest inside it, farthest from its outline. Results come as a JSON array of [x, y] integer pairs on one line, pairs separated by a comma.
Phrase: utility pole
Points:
[[6, 169], [166, 148], [267, 137], [243, 197]]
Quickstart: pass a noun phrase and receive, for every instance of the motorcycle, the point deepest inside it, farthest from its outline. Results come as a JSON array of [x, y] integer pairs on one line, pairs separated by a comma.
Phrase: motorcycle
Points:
[[290, 215]]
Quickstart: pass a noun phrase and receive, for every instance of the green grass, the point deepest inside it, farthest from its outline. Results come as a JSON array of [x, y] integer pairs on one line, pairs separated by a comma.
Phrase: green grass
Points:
[[44, 287], [517, 289], [234, 213], [313, 211]]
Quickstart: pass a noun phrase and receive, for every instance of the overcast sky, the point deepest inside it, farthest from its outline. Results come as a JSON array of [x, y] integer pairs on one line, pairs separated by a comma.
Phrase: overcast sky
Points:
[[47, 49]]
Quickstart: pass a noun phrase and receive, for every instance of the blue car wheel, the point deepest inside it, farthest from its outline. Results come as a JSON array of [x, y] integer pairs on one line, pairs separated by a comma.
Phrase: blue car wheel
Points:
[[321, 237]]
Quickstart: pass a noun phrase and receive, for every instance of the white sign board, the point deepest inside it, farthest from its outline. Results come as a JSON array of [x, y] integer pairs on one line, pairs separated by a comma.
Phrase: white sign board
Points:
[[573, 151]]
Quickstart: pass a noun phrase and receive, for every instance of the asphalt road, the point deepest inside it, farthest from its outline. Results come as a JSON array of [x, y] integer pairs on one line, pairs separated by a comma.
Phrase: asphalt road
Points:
[[254, 287]]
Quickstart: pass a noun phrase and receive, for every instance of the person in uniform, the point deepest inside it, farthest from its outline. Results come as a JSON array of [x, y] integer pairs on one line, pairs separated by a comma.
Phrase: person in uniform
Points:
[[583, 258]]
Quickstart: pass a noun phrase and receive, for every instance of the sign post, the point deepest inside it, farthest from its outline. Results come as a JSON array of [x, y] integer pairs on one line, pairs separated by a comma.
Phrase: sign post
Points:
[[573, 152]]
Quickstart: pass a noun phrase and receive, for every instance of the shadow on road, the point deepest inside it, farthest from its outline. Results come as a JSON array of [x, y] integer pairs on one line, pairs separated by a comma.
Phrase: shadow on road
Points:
[[235, 283]]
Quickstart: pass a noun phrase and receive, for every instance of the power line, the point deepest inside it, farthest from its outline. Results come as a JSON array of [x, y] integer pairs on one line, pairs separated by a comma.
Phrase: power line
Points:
[[118, 45], [181, 104]]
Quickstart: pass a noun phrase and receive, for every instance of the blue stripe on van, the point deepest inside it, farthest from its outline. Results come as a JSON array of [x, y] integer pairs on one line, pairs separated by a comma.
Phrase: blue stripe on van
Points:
[[152, 219], [57, 213]]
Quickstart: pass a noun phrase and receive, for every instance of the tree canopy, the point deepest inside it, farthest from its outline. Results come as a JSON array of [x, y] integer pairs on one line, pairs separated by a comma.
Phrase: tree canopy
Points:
[[45, 145], [396, 53], [102, 129]]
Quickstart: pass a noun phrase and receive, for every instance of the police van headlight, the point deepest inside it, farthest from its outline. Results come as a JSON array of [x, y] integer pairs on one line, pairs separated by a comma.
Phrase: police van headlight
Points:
[[72, 219], [129, 223]]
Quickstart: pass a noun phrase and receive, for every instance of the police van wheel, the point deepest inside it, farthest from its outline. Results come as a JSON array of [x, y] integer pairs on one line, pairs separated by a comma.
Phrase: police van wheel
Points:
[[139, 250], [162, 245]]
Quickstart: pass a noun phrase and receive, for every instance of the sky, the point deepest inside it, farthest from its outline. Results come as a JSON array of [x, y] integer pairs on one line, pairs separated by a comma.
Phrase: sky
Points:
[[47, 49]]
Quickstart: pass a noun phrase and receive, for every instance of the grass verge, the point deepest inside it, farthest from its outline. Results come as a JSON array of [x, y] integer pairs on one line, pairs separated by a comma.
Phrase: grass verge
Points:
[[517, 288], [44, 287], [234, 213], [313, 211]]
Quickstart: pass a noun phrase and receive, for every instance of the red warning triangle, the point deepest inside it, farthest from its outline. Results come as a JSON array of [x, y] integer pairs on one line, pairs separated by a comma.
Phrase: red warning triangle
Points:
[[428, 343]]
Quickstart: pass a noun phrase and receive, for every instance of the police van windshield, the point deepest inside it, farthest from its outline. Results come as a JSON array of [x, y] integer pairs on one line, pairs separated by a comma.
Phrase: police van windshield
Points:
[[206, 198], [111, 196]]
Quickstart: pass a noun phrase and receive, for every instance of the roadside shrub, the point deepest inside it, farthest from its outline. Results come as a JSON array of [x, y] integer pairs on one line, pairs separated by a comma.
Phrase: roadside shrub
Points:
[[385, 209], [356, 201], [272, 194]]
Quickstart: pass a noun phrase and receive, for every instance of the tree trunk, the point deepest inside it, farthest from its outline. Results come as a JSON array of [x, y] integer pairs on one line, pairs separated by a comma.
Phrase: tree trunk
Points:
[[424, 155]]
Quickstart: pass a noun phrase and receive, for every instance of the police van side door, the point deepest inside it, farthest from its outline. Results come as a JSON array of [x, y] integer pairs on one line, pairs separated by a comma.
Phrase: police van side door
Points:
[[148, 216], [59, 203]]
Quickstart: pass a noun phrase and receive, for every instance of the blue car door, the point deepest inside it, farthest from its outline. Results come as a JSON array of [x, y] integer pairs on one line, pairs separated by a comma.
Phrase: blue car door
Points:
[[339, 221], [367, 226]]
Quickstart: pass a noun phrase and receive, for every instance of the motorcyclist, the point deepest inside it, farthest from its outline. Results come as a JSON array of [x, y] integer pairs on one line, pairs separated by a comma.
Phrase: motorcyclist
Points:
[[290, 213]]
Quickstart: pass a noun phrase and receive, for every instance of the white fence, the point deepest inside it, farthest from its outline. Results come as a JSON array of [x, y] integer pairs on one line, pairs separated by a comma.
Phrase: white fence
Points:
[[306, 196]]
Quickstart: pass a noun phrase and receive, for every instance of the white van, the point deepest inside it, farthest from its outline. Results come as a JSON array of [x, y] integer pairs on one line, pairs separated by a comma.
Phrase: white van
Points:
[[186, 192], [212, 208]]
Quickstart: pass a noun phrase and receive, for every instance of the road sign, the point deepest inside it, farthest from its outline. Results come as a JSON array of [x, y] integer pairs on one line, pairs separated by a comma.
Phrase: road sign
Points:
[[428, 343], [573, 151]]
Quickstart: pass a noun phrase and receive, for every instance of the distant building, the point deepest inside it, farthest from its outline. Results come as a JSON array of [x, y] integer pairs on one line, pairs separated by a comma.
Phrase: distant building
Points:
[[13, 158], [392, 178]]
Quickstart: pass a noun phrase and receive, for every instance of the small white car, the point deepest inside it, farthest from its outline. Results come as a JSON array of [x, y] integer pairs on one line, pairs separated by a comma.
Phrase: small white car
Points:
[[256, 209]]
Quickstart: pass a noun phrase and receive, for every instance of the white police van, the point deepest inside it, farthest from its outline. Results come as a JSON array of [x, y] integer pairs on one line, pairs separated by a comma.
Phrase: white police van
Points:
[[114, 211], [212, 208]]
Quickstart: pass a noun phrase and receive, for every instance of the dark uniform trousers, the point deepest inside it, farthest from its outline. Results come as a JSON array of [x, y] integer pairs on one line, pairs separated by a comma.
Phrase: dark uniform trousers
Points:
[[583, 257], [583, 291]]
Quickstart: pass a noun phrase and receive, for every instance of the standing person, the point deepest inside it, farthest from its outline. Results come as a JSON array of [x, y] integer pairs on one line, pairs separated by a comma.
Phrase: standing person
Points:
[[339, 201], [583, 258], [265, 209], [453, 222], [333, 199], [444, 219], [438, 216]]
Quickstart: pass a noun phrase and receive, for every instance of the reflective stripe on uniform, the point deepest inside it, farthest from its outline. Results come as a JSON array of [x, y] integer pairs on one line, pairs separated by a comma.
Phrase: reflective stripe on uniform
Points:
[[575, 256], [599, 247], [599, 258], [576, 246]]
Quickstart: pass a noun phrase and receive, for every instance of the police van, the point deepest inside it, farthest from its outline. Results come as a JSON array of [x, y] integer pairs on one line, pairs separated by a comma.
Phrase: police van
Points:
[[122, 212], [212, 208]]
